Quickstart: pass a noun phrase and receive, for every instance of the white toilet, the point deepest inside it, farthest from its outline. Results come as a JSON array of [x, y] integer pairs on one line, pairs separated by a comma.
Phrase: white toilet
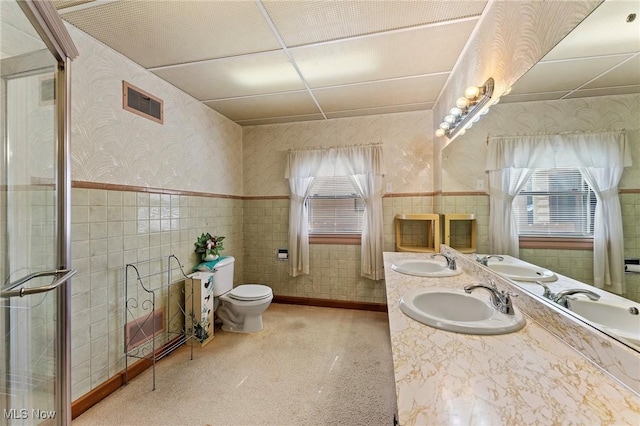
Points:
[[240, 308]]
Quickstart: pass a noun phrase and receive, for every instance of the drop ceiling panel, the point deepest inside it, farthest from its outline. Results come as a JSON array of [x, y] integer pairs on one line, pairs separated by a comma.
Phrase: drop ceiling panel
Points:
[[381, 110], [380, 57], [607, 91], [154, 33], [604, 32], [380, 94], [303, 22], [63, 4], [563, 75], [529, 97], [266, 106], [16, 32], [284, 119], [626, 74], [231, 77]]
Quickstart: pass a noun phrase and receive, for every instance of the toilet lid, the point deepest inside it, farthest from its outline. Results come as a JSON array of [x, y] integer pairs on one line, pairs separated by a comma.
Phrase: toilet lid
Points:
[[250, 292]]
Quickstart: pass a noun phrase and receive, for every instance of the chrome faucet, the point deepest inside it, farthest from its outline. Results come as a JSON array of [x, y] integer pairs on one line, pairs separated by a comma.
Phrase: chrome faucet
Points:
[[547, 291], [484, 260], [562, 298], [501, 300], [451, 261]]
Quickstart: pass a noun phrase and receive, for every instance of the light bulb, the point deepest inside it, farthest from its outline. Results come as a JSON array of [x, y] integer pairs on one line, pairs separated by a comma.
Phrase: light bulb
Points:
[[484, 111], [462, 132], [455, 111], [506, 92], [467, 126], [450, 119], [462, 102], [440, 132], [472, 92], [444, 125], [476, 119], [495, 101]]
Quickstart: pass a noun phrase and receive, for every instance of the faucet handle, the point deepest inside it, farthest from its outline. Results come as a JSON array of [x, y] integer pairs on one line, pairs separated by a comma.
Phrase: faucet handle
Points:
[[493, 284]]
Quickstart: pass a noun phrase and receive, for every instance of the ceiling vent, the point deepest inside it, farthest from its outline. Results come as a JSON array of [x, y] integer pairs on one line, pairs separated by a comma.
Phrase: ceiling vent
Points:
[[142, 103]]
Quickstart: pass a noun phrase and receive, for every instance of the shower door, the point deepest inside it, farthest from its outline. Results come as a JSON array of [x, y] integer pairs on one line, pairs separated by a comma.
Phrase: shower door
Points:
[[33, 290]]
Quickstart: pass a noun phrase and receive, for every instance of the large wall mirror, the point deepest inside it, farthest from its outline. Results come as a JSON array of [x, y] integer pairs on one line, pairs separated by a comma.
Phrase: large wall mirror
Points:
[[590, 82]]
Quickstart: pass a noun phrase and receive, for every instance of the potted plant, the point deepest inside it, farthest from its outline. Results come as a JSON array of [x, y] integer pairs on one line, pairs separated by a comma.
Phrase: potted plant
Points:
[[208, 247]]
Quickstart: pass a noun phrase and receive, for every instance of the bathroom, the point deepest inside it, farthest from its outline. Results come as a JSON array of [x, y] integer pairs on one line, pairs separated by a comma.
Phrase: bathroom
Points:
[[142, 191]]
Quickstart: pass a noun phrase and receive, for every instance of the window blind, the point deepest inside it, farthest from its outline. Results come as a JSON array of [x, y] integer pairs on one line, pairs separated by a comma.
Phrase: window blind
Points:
[[555, 202], [334, 206]]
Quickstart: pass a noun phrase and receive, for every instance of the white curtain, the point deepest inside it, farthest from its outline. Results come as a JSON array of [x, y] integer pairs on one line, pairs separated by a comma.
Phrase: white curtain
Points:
[[364, 164], [600, 157], [504, 185]]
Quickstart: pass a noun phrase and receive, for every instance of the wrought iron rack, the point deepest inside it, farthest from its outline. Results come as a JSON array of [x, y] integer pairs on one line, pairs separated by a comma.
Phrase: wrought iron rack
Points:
[[148, 335]]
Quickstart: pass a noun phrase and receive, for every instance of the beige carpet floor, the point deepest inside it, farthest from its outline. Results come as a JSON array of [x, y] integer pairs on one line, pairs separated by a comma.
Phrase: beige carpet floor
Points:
[[309, 366]]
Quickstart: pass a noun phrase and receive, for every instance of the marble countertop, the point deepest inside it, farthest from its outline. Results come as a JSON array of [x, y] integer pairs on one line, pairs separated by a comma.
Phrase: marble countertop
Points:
[[526, 377]]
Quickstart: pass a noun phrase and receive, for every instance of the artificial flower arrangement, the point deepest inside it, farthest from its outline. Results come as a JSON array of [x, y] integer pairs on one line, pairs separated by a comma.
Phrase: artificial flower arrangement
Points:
[[208, 247]]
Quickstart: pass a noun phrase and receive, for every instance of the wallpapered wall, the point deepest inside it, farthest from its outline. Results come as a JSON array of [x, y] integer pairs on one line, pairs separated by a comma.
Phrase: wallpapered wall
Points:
[[406, 139], [196, 149]]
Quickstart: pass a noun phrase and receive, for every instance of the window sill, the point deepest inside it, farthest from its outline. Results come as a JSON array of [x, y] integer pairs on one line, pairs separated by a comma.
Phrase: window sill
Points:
[[556, 243], [345, 239]]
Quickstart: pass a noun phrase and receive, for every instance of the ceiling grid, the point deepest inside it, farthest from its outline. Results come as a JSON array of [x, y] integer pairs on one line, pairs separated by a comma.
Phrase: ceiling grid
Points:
[[273, 61]]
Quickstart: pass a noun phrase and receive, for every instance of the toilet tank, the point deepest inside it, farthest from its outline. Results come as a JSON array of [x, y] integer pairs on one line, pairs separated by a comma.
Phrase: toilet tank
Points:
[[223, 277]]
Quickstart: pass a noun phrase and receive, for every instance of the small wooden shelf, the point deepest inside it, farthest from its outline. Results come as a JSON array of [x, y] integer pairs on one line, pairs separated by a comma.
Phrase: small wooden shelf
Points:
[[425, 237], [471, 237]]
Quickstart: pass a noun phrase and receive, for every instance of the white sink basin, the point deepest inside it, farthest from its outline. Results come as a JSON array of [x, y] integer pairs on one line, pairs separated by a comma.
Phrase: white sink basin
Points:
[[614, 319], [454, 310], [522, 272], [424, 268]]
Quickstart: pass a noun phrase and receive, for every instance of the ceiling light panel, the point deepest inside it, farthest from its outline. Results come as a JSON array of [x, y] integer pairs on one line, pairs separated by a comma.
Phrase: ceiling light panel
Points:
[[381, 93], [304, 22], [156, 33], [266, 106], [245, 75], [397, 54]]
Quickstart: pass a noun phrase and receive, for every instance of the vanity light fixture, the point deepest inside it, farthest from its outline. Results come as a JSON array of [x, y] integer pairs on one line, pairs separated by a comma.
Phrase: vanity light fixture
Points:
[[467, 111]]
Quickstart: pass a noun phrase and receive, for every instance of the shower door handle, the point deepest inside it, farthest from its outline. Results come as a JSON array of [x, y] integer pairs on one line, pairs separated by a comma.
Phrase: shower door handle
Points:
[[68, 273]]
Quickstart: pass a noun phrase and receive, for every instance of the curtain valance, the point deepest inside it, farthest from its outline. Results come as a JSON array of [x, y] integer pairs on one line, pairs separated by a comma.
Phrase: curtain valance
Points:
[[596, 150], [343, 161]]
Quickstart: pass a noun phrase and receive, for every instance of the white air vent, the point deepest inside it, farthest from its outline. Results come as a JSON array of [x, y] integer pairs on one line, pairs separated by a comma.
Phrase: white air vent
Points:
[[142, 103]]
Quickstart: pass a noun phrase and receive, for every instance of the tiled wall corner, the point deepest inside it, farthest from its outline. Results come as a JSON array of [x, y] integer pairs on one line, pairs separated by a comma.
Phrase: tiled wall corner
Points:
[[112, 228]]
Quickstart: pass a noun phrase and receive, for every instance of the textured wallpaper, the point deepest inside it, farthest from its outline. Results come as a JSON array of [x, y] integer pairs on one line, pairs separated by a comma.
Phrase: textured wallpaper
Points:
[[406, 138], [511, 38], [195, 149], [464, 159]]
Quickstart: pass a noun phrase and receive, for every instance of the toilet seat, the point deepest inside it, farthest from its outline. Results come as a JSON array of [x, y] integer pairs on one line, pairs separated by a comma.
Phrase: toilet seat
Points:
[[250, 292]]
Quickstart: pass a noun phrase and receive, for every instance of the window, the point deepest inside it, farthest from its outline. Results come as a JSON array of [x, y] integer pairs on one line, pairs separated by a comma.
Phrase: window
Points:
[[555, 203], [334, 207]]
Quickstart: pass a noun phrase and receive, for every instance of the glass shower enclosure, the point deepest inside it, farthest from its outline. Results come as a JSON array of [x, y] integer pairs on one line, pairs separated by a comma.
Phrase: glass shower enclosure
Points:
[[34, 190]]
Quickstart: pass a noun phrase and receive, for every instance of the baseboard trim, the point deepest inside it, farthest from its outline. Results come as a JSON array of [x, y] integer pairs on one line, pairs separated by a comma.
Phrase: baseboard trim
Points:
[[330, 303], [96, 395]]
